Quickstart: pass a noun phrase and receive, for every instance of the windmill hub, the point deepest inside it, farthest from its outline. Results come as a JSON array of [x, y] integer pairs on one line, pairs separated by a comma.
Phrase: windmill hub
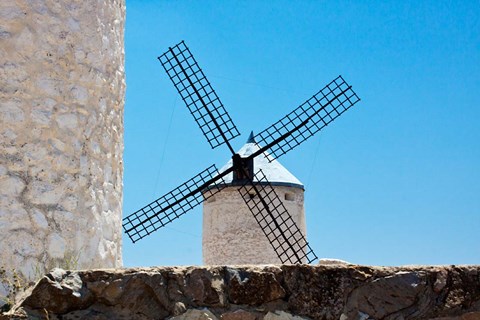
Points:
[[243, 168]]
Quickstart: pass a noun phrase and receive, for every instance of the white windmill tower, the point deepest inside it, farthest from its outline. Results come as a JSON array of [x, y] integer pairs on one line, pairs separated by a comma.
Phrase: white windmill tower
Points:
[[61, 134], [231, 234]]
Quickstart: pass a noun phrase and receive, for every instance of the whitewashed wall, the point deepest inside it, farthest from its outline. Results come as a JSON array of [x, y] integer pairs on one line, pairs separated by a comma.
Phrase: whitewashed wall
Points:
[[232, 236], [62, 88]]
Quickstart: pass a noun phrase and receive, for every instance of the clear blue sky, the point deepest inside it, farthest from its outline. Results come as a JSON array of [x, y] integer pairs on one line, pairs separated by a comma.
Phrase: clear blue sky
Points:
[[393, 181]]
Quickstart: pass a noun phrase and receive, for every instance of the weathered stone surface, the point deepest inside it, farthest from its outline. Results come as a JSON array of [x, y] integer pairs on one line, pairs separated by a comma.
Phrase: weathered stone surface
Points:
[[179, 308], [466, 316], [205, 287], [311, 288], [194, 314], [63, 291], [61, 92], [392, 296], [238, 315], [251, 286], [259, 292], [281, 315]]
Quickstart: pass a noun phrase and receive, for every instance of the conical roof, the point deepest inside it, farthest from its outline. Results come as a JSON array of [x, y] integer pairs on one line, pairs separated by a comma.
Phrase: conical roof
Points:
[[274, 171]]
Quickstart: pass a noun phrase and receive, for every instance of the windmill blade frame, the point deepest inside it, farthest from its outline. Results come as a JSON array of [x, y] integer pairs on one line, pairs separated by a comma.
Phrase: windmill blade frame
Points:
[[285, 237], [309, 118], [173, 204], [199, 96]]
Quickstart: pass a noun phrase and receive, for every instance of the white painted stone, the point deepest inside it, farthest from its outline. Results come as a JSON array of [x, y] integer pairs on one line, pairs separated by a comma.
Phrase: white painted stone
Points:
[[65, 221], [281, 315], [80, 94], [107, 248], [12, 75], [95, 147], [330, 261], [29, 269], [8, 136], [11, 186], [67, 121], [109, 231], [13, 217], [41, 117], [111, 247], [56, 246], [70, 203], [91, 124], [4, 34], [44, 192], [39, 7], [61, 65], [80, 55], [29, 247], [48, 86], [10, 11], [13, 151], [48, 104], [102, 105], [58, 145], [3, 295], [11, 111], [73, 24], [67, 161], [35, 151], [195, 314], [39, 219], [24, 38]]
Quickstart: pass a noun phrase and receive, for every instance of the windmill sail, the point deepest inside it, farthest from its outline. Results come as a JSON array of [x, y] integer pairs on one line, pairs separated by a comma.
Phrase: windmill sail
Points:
[[309, 118], [199, 96], [172, 205], [260, 197], [277, 224]]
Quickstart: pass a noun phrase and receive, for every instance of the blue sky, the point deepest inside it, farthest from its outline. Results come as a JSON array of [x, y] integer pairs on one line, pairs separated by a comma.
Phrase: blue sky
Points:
[[393, 181]]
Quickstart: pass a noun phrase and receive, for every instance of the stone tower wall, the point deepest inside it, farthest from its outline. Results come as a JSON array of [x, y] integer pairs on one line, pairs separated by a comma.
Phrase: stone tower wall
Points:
[[61, 133], [232, 236]]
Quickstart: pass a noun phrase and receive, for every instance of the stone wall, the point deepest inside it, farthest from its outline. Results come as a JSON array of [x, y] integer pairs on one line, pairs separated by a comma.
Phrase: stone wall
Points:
[[61, 133], [230, 231], [298, 292]]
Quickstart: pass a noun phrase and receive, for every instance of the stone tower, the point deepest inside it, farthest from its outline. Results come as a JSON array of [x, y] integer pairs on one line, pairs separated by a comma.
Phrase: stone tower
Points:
[[62, 88], [231, 235]]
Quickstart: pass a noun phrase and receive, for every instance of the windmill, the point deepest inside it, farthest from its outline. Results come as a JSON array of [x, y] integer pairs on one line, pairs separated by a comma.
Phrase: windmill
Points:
[[218, 128]]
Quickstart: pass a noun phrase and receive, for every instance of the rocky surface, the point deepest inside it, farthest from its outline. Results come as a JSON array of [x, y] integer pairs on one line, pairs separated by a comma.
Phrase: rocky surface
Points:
[[262, 292], [61, 134]]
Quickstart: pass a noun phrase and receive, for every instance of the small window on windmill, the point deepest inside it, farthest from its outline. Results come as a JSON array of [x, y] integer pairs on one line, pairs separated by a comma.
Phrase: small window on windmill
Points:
[[289, 196]]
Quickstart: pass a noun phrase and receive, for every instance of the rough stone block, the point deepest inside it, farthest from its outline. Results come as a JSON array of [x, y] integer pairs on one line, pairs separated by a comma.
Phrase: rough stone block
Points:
[[299, 292]]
